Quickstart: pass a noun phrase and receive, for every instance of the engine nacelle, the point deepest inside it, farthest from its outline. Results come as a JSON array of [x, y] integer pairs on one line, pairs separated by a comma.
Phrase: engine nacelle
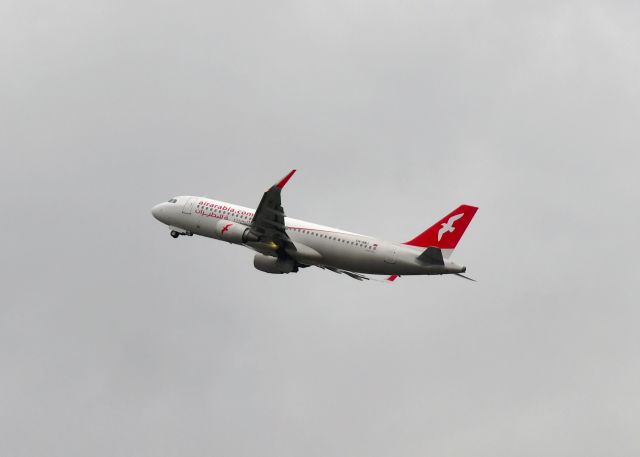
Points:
[[274, 265], [233, 232]]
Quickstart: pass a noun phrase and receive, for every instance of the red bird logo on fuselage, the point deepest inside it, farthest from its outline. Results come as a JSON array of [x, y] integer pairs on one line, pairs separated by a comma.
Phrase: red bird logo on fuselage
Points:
[[225, 228]]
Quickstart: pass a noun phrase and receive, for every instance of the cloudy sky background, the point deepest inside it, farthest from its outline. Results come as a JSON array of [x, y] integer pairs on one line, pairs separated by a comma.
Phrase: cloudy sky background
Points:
[[117, 340]]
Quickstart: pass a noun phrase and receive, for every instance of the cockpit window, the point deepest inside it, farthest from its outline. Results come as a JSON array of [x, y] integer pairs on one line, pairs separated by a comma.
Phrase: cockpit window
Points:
[[173, 200]]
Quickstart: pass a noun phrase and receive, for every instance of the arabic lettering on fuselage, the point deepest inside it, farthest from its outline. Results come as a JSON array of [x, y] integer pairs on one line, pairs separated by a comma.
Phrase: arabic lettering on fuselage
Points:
[[217, 216]]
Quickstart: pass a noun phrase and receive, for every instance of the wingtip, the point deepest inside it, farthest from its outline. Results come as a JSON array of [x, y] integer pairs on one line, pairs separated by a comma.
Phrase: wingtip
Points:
[[392, 278], [286, 179]]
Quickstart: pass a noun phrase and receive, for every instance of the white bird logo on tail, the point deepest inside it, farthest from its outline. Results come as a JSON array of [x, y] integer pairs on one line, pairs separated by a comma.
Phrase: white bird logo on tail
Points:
[[448, 226]]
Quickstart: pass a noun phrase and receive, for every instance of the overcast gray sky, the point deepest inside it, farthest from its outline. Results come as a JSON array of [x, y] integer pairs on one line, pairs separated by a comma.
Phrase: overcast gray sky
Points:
[[116, 340]]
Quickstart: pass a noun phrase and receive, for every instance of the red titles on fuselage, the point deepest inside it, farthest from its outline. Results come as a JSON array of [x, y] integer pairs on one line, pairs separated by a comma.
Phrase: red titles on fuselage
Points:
[[215, 210]]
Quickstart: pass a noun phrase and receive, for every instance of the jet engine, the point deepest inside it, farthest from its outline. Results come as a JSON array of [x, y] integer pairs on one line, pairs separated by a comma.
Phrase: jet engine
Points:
[[274, 265], [233, 232]]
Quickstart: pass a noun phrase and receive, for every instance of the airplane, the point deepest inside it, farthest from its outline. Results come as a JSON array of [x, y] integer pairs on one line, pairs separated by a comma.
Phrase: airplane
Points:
[[285, 245]]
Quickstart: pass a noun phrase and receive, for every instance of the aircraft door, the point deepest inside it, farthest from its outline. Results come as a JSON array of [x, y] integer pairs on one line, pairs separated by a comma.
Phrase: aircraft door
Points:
[[188, 206], [390, 254]]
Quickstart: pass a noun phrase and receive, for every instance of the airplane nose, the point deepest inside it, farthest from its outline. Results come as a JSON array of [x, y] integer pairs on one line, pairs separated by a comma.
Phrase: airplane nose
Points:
[[156, 211]]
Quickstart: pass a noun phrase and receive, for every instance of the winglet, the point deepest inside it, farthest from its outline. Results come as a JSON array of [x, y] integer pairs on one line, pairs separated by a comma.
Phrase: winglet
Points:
[[392, 278], [284, 180]]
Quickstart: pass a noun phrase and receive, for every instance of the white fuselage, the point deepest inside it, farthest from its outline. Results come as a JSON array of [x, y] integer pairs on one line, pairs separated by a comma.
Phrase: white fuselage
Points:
[[331, 247]]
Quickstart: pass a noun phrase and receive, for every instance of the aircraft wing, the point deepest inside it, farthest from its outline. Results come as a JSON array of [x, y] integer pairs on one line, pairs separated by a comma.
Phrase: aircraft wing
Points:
[[267, 224], [351, 274], [358, 276]]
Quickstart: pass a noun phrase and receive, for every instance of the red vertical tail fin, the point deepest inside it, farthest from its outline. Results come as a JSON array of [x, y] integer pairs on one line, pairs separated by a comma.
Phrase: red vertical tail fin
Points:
[[446, 233]]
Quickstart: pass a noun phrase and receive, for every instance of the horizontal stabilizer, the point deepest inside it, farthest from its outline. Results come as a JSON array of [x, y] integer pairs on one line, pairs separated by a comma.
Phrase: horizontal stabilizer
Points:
[[432, 256], [465, 277]]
